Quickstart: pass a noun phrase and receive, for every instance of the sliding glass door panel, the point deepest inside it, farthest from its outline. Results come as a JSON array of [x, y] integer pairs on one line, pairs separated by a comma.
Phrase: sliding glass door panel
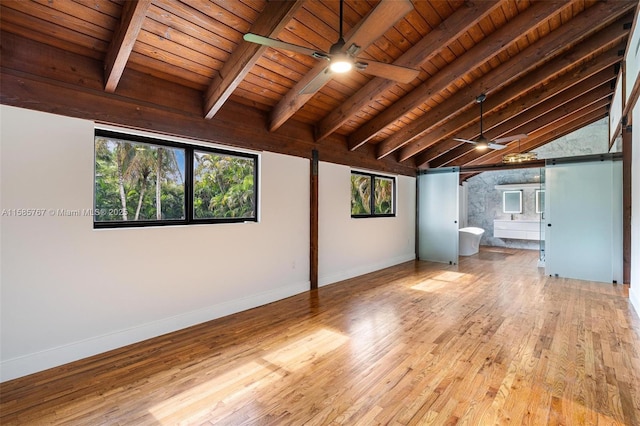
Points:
[[584, 211], [438, 205]]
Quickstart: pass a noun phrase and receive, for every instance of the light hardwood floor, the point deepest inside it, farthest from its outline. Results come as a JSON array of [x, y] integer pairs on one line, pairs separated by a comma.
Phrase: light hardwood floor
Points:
[[491, 341]]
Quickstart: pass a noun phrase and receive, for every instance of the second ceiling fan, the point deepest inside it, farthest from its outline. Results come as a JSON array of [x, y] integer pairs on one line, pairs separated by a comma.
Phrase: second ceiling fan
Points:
[[342, 54], [482, 142]]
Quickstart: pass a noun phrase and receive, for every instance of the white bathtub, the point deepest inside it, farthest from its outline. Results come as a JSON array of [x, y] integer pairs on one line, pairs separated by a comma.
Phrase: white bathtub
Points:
[[469, 240]]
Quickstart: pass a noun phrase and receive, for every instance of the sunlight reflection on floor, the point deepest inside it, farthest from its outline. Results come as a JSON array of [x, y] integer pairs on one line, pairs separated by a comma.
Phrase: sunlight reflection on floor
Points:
[[431, 285], [209, 399], [212, 393], [302, 352], [450, 276], [441, 281]]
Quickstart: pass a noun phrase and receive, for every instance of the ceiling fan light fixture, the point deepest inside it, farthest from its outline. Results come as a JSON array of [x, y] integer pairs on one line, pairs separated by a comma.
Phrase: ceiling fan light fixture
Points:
[[342, 58], [341, 64], [482, 146]]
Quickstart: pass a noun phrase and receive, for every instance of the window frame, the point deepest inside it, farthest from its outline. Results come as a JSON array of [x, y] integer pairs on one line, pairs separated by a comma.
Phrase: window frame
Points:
[[372, 202], [189, 152]]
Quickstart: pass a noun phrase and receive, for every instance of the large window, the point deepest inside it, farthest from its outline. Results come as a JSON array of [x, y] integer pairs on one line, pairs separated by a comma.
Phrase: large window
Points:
[[142, 181], [372, 195], [223, 186]]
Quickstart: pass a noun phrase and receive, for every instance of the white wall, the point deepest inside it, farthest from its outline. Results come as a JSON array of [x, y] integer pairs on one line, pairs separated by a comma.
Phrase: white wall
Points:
[[351, 247], [69, 291], [634, 292]]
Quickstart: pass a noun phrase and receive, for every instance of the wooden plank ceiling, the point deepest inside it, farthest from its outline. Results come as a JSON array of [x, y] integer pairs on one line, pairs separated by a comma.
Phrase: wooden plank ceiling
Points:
[[182, 67]]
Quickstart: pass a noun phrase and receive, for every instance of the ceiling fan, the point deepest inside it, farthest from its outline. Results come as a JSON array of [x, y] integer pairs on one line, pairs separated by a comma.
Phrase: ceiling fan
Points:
[[482, 142], [342, 57]]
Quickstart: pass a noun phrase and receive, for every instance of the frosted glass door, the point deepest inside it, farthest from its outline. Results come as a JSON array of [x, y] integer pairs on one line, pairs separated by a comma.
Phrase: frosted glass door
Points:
[[583, 215], [438, 216]]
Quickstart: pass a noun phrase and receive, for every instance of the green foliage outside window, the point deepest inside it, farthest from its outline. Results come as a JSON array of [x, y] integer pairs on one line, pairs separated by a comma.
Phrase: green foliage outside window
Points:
[[362, 202], [223, 186], [139, 182], [360, 194], [383, 195]]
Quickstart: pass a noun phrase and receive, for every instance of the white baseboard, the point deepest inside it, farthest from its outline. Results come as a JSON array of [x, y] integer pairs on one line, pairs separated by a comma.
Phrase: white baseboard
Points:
[[39, 361], [364, 269]]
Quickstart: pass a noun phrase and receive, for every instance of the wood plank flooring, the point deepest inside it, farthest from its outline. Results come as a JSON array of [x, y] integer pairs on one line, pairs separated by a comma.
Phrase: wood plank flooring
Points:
[[490, 341]]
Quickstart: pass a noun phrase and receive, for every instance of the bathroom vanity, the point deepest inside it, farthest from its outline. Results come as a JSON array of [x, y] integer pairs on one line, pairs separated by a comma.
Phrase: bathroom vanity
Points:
[[517, 229]]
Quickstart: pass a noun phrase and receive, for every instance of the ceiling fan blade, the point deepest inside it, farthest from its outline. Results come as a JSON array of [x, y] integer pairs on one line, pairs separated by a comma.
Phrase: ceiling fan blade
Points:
[[277, 44], [389, 71], [465, 140], [317, 82], [510, 138], [496, 146], [377, 22]]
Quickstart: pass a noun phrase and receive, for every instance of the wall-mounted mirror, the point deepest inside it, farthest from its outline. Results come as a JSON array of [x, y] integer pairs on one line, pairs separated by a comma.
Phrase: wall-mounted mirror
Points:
[[539, 200], [512, 202]]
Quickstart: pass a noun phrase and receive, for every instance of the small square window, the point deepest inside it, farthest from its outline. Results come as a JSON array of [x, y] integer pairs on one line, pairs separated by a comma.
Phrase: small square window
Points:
[[372, 195]]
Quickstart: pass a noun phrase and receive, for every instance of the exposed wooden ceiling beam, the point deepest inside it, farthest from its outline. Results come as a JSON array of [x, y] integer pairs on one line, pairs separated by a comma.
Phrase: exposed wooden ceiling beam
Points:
[[235, 125], [133, 15], [590, 74], [497, 42], [548, 134], [269, 23], [547, 114], [184, 61], [24, 57], [426, 49], [294, 99], [366, 32], [555, 119], [513, 120], [495, 163], [541, 82], [553, 45]]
